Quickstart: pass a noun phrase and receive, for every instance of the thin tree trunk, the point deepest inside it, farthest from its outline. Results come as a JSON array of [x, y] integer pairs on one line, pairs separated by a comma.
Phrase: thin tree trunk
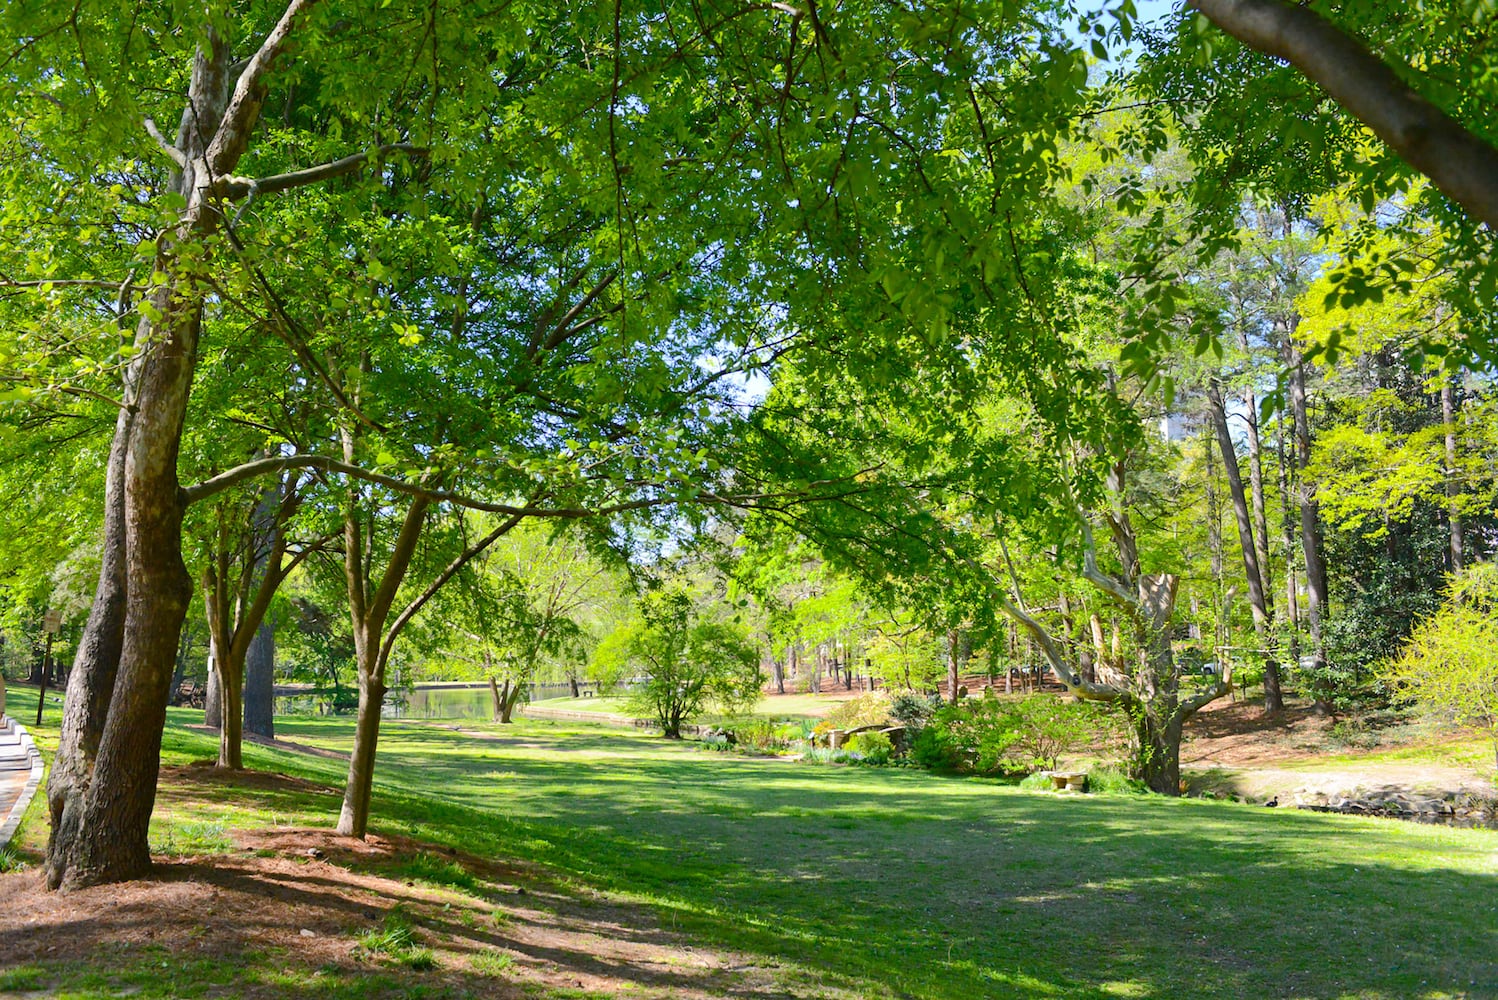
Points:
[[1215, 552], [213, 695], [1287, 541], [1310, 519], [1256, 495], [1453, 488], [1263, 619]]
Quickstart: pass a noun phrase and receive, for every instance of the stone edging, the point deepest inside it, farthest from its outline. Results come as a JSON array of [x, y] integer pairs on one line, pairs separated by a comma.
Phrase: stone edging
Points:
[[18, 809]]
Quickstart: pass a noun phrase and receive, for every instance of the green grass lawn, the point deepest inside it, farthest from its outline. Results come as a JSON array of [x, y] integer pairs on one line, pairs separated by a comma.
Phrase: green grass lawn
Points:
[[854, 882]]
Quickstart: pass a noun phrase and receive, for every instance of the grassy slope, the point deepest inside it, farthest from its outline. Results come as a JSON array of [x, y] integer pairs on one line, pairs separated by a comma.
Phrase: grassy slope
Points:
[[895, 883]]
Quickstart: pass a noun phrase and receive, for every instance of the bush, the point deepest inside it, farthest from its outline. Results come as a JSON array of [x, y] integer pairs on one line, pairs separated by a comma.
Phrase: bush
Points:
[[872, 709], [1449, 667], [913, 710], [933, 748], [990, 735], [871, 747], [1105, 780]]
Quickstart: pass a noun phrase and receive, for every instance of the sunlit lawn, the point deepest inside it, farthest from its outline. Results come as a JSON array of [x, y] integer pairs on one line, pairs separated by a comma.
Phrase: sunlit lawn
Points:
[[862, 882]]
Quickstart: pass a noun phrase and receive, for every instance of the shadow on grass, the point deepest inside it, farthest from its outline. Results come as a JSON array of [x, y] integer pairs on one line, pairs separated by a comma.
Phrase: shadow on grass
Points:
[[955, 888], [860, 882]]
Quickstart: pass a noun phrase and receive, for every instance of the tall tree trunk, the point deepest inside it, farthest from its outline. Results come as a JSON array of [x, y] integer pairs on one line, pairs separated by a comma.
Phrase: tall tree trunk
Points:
[[954, 669], [91, 682], [102, 801], [1287, 542], [213, 693], [353, 816], [1220, 637], [369, 609], [1310, 518], [1263, 619], [260, 683], [1256, 495], [1453, 488]]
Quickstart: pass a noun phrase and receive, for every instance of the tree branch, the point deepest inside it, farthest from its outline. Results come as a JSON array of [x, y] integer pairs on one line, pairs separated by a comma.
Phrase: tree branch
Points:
[[234, 187], [176, 155], [1459, 163], [243, 111]]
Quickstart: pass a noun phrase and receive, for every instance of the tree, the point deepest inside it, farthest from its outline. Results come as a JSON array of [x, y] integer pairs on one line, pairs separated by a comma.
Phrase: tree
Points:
[[1461, 163], [248, 557], [1449, 667], [524, 601], [682, 660]]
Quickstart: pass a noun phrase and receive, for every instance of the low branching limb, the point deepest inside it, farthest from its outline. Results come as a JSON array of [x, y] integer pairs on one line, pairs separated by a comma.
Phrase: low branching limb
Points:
[[234, 187], [173, 153]]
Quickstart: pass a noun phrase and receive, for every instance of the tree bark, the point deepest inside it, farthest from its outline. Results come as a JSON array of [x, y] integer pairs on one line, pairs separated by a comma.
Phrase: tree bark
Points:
[[1263, 618], [102, 802], [368, 612], [1461, 165], [95, 665], [260, 683], [1453, 488], [213, 693], [1310, 516]]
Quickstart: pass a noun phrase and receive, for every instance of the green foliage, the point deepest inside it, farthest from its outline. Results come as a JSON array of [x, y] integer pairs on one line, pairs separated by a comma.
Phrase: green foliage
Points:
[[871, 747], [1114, 780], [913, 710], [688, 661], [992, 735], [764, 734], [1449, 666], [870, 709]]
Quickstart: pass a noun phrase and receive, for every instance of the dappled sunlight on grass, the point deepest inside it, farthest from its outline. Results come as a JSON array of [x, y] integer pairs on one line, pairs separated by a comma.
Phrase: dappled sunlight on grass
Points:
[[851, 881], [943, 887]]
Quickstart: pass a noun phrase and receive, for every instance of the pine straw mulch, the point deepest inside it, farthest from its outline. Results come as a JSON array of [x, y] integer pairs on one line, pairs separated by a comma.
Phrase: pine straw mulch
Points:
[[295, 901]]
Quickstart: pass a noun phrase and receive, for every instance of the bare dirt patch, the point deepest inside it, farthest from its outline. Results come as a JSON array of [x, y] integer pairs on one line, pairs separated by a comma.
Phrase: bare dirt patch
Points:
[[295, 902], [1298, 754]]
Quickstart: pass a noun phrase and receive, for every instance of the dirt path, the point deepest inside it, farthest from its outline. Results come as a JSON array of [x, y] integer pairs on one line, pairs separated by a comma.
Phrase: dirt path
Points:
[[298, 904], [1233, 748]]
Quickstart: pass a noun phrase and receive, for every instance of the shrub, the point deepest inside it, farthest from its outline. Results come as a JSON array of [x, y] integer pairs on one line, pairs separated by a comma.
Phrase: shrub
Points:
[[872, 709], [1105, 780], [991, 735], [1449, 667], [872, 747], [824, 755], [933, 748], [913, 710]]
